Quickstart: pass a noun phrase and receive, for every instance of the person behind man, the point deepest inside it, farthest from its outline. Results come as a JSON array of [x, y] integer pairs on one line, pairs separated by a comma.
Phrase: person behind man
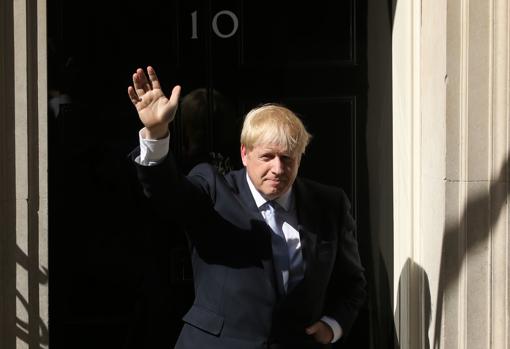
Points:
[[275, 258]]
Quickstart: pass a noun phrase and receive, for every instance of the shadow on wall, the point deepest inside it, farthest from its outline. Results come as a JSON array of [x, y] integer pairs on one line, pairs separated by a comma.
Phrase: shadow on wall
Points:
[[35, 331], [32, 329], [414, 293], [451, 256]]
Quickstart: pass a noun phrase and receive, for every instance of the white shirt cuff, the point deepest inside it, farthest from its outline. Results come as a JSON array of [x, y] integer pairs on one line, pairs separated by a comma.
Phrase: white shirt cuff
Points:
[[335, 327], [152, 151]]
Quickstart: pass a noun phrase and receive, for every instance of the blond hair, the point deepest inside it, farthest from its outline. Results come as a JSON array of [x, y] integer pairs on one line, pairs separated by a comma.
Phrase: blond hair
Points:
[[274, 124]]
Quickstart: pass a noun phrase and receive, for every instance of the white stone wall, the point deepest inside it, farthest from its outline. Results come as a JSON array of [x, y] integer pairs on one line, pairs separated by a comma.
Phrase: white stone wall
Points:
[[418, 163], [474, 291], [23, 176], [451, 145]]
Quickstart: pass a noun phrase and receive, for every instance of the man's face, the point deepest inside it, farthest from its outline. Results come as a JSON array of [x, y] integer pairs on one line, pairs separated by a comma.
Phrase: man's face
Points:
[[271, 169]]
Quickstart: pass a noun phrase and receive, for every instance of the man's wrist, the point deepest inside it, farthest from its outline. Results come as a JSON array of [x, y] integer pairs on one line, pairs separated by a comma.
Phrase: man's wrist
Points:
[[155, 132], [335, 327]]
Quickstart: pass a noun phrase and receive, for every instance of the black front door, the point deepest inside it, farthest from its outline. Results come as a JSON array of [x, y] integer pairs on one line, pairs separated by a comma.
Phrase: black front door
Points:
[[116, 276]]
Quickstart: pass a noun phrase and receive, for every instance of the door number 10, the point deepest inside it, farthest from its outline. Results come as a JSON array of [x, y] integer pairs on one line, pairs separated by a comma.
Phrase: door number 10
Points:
[[232, 15]]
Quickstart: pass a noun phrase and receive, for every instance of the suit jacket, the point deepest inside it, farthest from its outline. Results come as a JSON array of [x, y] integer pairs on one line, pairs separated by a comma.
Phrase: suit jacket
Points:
[[237, 304]]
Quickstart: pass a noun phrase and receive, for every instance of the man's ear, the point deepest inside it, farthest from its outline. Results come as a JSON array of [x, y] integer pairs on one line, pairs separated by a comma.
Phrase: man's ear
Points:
[[243, 154]]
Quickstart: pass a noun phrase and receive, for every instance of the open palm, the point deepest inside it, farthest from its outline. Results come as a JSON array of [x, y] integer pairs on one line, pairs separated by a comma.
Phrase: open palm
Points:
[[155, 110]]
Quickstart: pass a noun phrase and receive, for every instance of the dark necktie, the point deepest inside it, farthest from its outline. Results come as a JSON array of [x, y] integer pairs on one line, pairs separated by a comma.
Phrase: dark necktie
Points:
[[279, 245]]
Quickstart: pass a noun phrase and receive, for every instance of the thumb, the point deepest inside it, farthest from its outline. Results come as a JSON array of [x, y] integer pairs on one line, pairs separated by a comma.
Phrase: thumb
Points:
[[312, 329], [174, 97], [170, 108]]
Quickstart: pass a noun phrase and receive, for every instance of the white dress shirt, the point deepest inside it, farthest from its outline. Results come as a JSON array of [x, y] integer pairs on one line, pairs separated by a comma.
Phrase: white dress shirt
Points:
[[289, 229], [152, 151]]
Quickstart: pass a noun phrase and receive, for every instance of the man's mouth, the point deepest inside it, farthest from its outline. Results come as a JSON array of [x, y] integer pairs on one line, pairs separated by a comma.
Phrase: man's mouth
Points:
[[276, 180]]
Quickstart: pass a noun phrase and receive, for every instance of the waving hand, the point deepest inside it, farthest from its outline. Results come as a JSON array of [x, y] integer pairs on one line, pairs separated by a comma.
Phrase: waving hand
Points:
[[155, 110]]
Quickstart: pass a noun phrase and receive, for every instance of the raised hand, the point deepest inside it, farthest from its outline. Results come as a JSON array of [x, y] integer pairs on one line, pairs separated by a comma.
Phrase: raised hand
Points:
[[155, 110]]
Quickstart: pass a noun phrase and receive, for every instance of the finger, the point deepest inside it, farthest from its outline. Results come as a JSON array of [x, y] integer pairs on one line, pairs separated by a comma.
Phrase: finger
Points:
[[132, 95], [174, 97], [143, 80], [140, 91], [153, 77]]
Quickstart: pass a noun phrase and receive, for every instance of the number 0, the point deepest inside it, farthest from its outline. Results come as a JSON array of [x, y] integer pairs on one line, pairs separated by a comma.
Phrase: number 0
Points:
[[232, 15], [235, 21]]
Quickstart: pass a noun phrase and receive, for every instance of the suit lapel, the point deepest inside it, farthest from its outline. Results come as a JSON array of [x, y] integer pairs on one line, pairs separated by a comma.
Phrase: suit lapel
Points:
[[245, 194]]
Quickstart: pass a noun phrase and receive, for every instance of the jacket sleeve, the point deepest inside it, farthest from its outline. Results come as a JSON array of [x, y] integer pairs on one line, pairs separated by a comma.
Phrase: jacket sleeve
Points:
[[173, 195]]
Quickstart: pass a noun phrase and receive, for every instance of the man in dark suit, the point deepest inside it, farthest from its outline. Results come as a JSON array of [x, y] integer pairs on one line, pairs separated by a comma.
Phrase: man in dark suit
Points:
[[275, 257]]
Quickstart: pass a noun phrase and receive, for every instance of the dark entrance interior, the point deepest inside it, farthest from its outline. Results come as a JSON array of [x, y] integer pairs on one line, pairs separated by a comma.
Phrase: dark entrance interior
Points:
[[120, 278]]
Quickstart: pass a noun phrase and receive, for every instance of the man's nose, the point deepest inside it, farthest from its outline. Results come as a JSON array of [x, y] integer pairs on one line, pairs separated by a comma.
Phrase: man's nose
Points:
[[278, 165]]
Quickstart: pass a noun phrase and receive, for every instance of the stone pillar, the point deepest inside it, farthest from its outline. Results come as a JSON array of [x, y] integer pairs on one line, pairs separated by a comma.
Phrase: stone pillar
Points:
[[451, 137], [472, 309], [419, 69], [23, 175]]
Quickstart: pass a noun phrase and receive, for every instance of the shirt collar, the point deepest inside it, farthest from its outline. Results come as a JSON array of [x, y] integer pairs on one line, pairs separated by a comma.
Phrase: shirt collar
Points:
[[283, 200]]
